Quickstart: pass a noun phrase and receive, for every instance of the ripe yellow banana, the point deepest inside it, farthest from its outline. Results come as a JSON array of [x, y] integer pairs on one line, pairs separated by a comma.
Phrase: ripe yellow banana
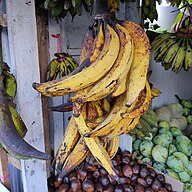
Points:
[[75, 158], [124, 126], [113, 146], [70, 139], [105, 105], [95, 122], [155, 92], [123, 62], [141, 58], [86, 44], [92, 73], [95, 146]]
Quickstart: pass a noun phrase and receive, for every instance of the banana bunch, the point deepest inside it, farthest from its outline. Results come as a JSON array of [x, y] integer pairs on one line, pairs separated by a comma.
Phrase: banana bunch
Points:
[[61, 66], [60, 8], [109, 92], [173, 50]]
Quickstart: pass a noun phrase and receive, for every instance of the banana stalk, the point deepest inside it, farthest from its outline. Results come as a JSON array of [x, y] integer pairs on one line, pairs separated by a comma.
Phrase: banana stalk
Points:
[[9, 137]]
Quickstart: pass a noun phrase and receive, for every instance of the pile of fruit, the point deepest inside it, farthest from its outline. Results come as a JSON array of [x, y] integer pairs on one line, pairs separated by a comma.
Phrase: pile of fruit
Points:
[[134, 176], [109, 91], [168, 149]]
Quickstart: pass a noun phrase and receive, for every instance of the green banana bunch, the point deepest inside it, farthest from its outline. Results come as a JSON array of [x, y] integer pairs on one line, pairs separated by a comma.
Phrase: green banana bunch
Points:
[[173, 50], [61, 66]]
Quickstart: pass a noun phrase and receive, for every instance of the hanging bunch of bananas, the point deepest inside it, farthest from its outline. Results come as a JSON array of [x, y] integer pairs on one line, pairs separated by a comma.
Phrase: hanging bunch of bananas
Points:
[[61, 66], [174, 50], [110, 92], [60, 8]]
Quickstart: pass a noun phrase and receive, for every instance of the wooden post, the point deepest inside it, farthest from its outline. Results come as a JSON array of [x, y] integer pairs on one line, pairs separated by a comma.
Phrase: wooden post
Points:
[[22, 33], [4, 172]]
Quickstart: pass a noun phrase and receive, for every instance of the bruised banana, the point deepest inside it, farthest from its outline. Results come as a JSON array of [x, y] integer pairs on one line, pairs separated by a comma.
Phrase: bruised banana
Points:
[[70, 139], [141, 58], [75, 158], [97, 69], [18, 122], [123, 62], [95, 147], [9, 137], [113, 146], [89, 75], [119, 111], [64, 107]]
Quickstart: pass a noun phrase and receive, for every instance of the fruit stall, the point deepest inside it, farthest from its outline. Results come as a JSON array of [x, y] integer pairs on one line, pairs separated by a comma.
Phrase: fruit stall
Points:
[[96, 96]]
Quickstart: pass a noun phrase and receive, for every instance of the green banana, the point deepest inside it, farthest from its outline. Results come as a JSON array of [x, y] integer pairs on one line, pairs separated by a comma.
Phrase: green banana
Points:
[[18, 122], [159, 39], [162, 49], [188, 55], [178, 61], [170, 54]]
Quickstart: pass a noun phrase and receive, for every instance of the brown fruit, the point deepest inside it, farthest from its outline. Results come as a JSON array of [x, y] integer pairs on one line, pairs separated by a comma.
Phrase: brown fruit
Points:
[[124, 180], [126, 160], [152, 172], [103, 172], [109, 188], [81, 174], [136, 169], [149, 180], [144, 172], [162, 189], [90, 167], [134, 177], [57, 184], [98, 187], [75, 185], [73, 175], [96, 174], [139, 188], [119, 188], [127, 171], [156, 185], [105, 181], [149, 190], [128, 188], [142, 182], [63, 188], [88, 185], [161, 178]]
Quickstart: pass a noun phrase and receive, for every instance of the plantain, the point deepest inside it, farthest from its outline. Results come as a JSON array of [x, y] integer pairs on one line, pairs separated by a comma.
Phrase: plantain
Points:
[[95, 147], [123, 62], [113, 146], [69, 141], [75, 158], [140, 64]]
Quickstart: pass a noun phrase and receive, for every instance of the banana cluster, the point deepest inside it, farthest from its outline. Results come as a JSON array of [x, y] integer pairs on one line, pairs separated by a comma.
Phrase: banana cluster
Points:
[[60, 8], [110, 92], [173, 50], [61, 66]]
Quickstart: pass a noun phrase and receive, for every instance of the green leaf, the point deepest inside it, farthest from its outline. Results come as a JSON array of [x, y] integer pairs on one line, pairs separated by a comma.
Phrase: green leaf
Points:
[[177, 19]]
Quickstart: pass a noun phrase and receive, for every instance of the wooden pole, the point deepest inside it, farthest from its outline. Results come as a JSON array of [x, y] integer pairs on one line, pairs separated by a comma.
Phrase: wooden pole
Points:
[[4, 172]]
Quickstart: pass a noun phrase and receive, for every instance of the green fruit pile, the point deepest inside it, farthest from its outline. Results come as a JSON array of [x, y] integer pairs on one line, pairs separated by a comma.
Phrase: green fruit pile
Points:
[[168, 149]]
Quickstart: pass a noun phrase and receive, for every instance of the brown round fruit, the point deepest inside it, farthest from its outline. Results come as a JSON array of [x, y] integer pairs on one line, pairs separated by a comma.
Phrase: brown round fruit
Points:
[[63, 188], [127, 171], [88, 185], [75, 185], [139, 188], [81, 174]]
